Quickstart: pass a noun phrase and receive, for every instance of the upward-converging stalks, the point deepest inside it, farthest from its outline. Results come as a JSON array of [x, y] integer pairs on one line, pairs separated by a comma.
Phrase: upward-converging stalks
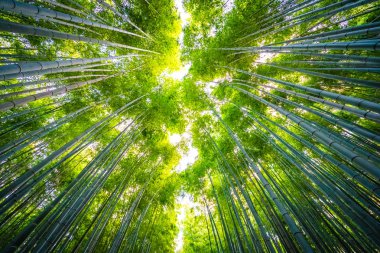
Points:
[[265, 140]]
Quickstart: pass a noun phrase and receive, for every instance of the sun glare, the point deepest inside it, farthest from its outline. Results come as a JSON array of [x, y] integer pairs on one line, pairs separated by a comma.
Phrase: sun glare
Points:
[[178, 75]]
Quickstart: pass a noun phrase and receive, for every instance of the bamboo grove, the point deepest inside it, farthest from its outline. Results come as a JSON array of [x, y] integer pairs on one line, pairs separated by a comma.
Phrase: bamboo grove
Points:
[[280, 100]]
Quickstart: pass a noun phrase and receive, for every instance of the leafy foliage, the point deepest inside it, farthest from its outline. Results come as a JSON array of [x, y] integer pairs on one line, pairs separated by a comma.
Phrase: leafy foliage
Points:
[[280, 107]]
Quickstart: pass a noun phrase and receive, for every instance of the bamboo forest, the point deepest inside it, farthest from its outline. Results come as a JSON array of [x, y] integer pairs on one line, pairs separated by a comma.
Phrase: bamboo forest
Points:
[[190, 126]]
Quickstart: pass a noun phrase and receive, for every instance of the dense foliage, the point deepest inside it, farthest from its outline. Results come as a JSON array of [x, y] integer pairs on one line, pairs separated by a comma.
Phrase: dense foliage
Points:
[[279, 109]]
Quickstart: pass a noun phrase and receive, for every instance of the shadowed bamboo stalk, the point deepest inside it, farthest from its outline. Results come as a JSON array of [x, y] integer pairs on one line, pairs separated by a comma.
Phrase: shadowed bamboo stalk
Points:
[[78, 11], [300, 6], [25, 100], [338, 122], [43, 13], [361, 113], [82, 189], [44, 32], [20, 181], [341, 33], [50, 80], [356, 176], [346, 99], [346, 5], [80, 68], [50, 236], [126, 19], [345, 153], [297, 233], [245, 195], [369, 83], [350, 64], [89, 12], [42, 65], [373, 45]]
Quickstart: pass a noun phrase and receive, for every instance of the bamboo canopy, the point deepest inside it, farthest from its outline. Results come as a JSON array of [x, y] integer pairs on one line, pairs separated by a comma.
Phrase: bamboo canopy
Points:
[[189, 126]]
